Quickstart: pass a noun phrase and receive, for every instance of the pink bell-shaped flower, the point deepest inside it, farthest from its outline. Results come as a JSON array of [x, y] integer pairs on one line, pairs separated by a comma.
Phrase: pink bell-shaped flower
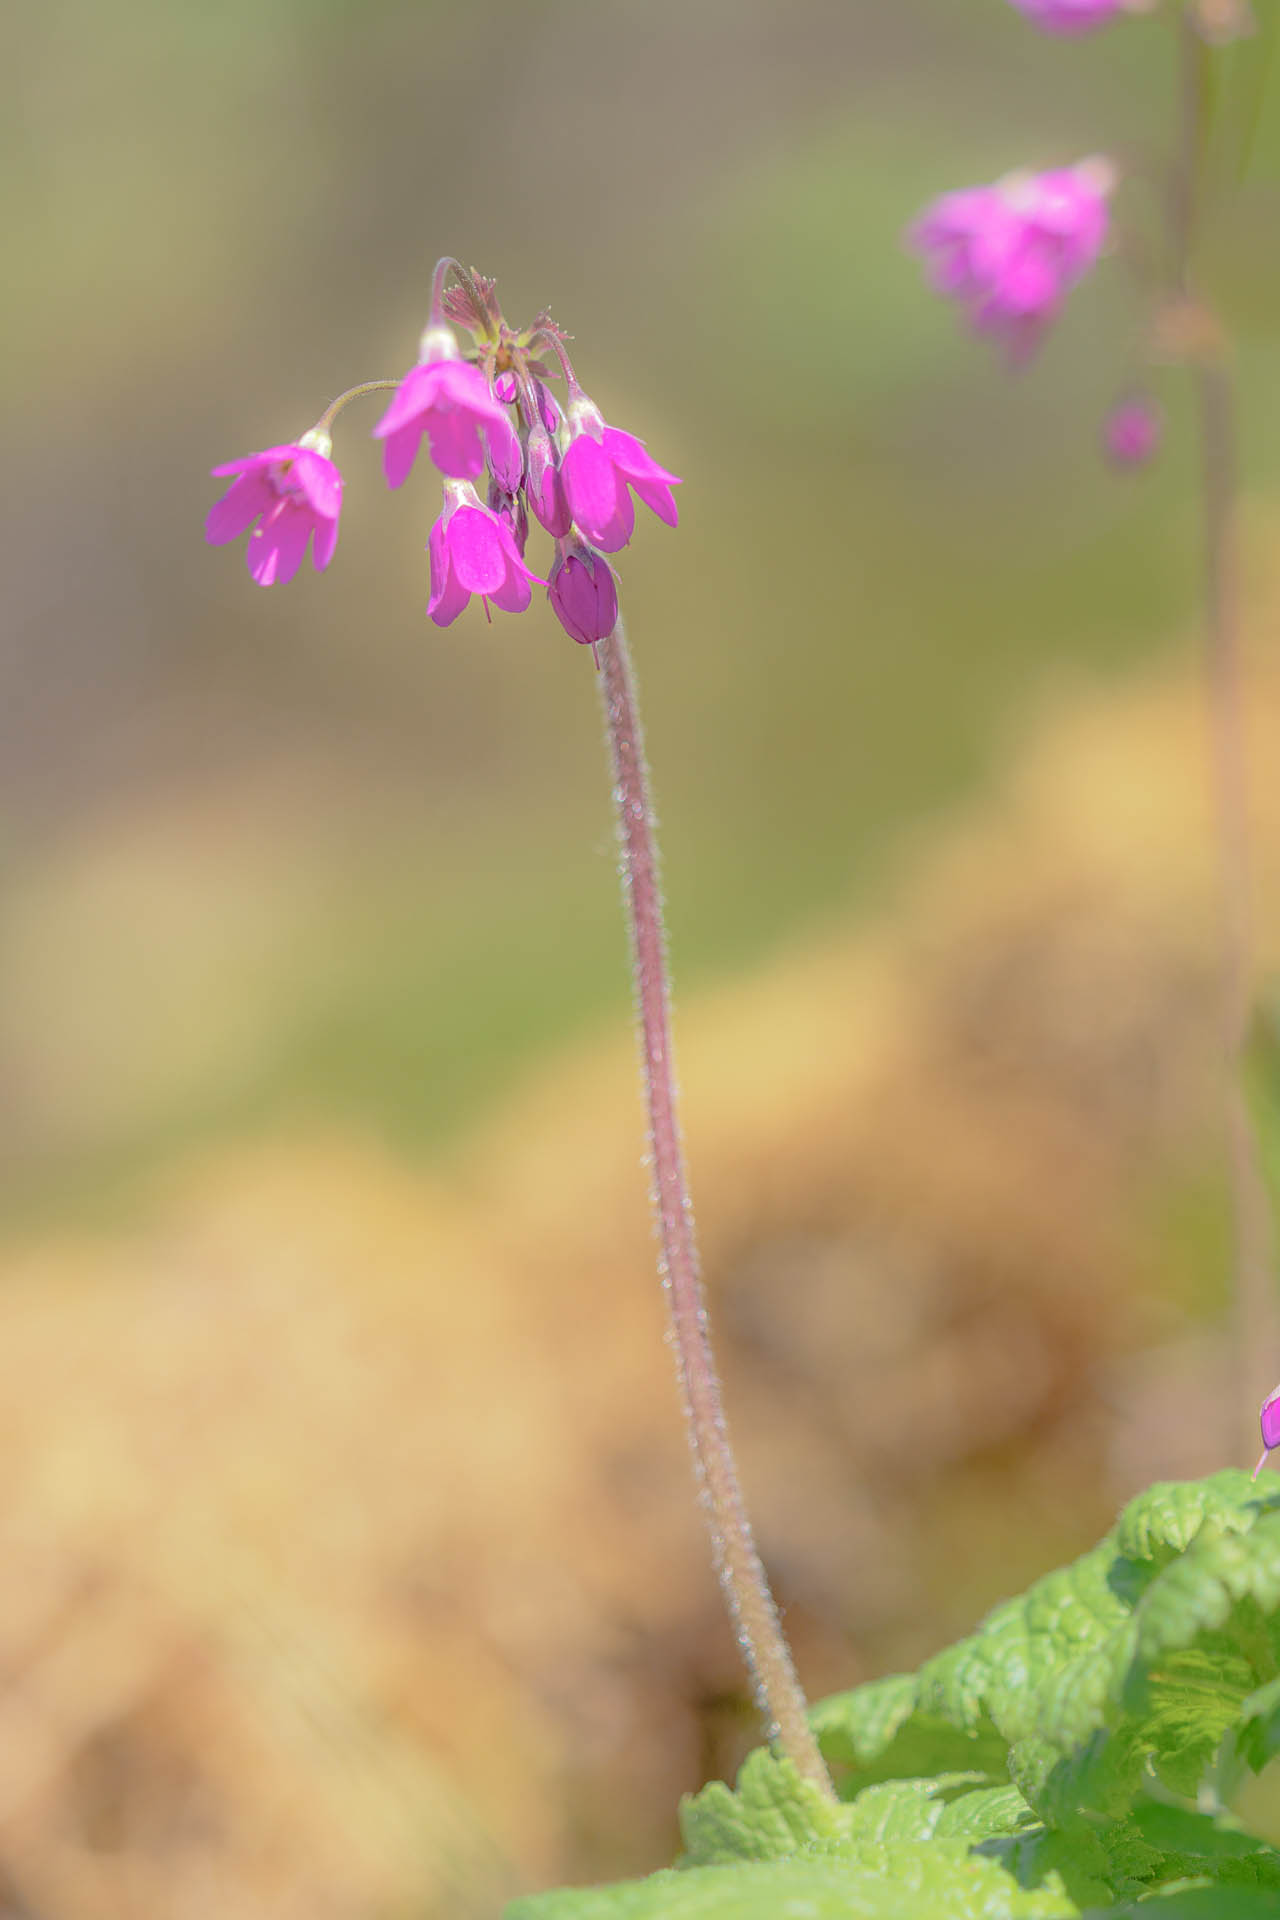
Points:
[[292, 492], [598, 467], [452, 403], [474, 551], [1070, 16]]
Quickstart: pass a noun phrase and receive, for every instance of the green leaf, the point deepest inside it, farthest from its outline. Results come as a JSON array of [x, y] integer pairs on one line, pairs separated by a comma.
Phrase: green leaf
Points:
[[773, 1814], [1141, 1654], [902, 1880]]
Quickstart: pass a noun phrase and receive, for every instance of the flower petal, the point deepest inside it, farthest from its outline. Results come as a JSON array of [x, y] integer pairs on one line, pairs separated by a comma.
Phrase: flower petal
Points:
[[277, 546], [244, 502], [399, 451], [476, 553]]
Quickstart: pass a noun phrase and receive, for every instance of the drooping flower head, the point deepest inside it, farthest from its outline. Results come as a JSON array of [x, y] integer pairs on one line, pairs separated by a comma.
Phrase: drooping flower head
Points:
[[291, 492], [1070, 16], [1010, 253], [487, 415], [583, 593], [1132, 431], [473, 550]]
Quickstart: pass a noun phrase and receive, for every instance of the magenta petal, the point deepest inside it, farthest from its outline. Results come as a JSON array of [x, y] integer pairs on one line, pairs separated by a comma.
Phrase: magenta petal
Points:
[[411, 398], [251, 496], [1271, 1422], [514, 594], [659, 499], [320, 481], [590, 484], [456, 446], [633, 458], [506, 456], [615, 532], [276, 548], [325, 542], [475, 551], [448, 599], [399, 451]]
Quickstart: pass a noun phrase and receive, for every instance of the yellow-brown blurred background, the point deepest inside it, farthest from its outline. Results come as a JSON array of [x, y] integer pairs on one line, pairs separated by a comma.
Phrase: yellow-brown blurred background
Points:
[[351, 1565]]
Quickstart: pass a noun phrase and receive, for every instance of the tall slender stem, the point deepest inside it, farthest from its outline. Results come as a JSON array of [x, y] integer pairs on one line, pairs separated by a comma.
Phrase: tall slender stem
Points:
[[742, 1576], [1254, 1305]]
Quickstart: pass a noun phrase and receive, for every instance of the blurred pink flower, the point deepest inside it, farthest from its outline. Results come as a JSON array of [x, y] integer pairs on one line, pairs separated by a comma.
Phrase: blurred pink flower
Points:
[[473, 551], [1270, 1428], [1070, 16], [596, 470], [292, 492], [1132, 431], [583, 593], [451, 402], [1010, 253]]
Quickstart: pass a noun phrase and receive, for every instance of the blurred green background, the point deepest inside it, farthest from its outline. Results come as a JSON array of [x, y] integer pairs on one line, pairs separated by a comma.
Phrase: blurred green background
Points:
[[296, 864]]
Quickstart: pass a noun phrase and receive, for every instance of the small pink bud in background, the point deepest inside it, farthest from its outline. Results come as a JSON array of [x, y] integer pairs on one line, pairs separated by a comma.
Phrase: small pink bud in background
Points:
[[292, 492], [597, 468], [1270, 1428], [583, 593], [1132, 431], [451, 402], [1010, 253], [543, 484], [473, 551], [1070, 16]]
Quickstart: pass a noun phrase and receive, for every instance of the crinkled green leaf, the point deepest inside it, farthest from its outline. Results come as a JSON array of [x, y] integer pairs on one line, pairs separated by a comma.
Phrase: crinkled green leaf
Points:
[[1140, 1653], [773, 1813], [1190, 1842], [895, 1880]]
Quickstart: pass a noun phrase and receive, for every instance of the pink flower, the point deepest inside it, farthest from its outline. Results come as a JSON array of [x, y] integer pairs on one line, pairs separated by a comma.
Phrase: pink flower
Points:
[[1270, 1428], [1010, 253], [291, 492], [473, 551], [450, 401], [1132, 431], [1070, 16], [583, 593], [596, 470]]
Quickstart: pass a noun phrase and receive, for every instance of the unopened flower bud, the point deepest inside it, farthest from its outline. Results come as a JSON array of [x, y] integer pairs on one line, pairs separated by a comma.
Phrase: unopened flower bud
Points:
[[543, 484], [511, 510], [583, 593]]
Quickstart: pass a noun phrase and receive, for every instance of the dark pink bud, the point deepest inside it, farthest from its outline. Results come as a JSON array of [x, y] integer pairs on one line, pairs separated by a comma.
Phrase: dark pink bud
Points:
[[543, 484], [506, 455], [1132, 431], [548, 408], [583, 593], [505, 388]]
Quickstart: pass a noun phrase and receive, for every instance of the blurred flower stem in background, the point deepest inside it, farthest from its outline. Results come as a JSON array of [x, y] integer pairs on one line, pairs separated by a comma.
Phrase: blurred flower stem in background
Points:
[[1199, 337], [742, 1576]]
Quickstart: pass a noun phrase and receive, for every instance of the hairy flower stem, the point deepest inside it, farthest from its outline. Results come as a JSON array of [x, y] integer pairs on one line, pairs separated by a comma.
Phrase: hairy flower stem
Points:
[[742, 1577], [1254, 1315]]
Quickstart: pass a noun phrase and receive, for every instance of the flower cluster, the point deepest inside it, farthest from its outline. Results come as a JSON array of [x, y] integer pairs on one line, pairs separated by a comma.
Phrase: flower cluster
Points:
[[490, 420], [1010, 253]]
